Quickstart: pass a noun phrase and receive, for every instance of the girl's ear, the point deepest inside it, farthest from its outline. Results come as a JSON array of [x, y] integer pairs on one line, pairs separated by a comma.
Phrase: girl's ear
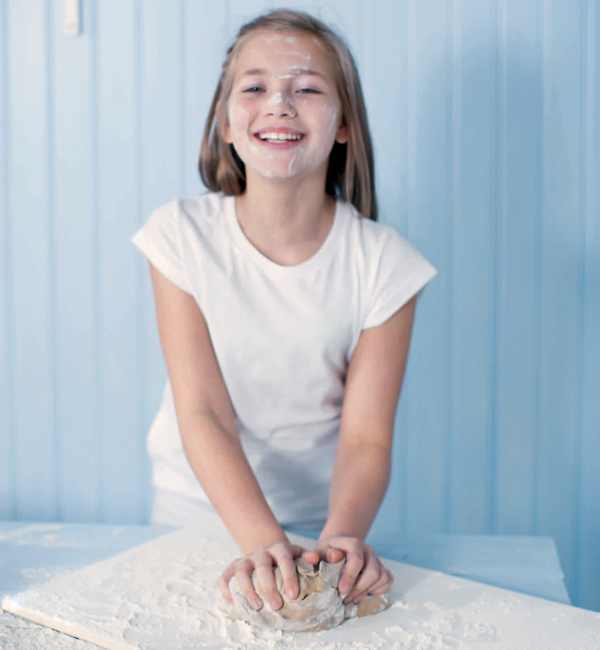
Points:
[[226, 134], [342, 133]]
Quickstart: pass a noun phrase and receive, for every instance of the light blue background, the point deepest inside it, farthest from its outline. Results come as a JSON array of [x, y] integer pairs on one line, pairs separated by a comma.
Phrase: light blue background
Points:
[[485, 117]]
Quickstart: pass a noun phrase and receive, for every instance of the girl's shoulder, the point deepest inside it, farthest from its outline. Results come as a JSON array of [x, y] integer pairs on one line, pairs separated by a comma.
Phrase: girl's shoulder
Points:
[[208, 206], [372, 236]]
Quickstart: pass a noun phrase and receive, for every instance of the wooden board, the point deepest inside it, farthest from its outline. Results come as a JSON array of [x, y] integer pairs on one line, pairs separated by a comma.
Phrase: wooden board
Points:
[[162, 596]]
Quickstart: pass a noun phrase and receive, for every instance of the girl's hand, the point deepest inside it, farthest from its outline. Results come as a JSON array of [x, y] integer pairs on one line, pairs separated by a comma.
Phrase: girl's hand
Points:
[[363, 574], [263, 561]]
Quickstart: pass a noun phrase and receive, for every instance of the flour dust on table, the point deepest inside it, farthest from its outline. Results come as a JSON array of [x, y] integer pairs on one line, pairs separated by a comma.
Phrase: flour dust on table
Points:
[[17, 633], [163, 595]]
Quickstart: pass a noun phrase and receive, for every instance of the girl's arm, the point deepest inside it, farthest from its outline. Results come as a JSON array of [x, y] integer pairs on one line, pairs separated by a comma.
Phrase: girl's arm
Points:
[[213, 448], [363, 459]]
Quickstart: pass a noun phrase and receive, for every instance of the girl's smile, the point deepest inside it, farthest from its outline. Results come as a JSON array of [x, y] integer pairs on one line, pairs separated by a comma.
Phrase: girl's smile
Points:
[[284, 112], [278, 136]]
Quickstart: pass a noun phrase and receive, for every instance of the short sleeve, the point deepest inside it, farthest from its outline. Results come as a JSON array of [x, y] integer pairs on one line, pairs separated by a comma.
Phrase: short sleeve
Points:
[[402, 272], [159, 241]]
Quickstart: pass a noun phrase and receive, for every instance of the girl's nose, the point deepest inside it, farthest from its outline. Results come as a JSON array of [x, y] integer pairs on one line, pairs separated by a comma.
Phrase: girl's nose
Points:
[[280, 105]]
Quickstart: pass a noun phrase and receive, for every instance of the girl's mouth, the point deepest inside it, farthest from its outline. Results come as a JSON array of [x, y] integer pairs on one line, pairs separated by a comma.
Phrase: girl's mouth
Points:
[[278, 138]]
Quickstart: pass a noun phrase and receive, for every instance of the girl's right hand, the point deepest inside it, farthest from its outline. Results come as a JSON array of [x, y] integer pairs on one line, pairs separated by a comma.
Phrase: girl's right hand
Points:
[[263, 561]]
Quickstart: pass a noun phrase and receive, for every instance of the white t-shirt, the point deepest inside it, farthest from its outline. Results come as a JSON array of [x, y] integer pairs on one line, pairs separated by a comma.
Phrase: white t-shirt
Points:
[[283, 337]]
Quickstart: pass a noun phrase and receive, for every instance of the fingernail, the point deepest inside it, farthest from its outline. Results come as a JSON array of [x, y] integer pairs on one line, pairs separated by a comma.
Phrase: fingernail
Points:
[[256, 603], [291, 592]]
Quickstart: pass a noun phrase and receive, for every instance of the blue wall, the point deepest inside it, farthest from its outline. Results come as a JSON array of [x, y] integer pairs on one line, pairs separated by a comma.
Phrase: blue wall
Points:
[[485, 116]]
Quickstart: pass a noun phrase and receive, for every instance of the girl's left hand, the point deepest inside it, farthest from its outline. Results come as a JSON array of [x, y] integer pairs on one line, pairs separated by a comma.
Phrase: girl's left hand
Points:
[[363, 574]]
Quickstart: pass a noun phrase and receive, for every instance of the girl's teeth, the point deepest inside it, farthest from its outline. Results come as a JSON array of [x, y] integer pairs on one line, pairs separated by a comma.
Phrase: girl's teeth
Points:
[[278, 137]]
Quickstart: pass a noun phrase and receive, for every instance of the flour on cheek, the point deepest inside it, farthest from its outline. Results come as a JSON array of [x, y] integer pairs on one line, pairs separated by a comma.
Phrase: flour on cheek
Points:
[[308, 155], [251, 153], [308, 158]]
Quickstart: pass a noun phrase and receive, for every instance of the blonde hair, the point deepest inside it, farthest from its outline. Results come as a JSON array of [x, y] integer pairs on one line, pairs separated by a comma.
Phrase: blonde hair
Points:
[[350, 174]]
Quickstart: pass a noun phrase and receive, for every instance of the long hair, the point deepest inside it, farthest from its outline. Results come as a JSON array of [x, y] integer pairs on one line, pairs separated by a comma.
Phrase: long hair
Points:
[[350, 173]]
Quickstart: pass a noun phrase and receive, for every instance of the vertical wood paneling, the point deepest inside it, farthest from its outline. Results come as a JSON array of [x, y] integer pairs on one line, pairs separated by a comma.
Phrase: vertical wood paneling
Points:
[[32, 259], [428, 398], [161, 100], [387, 118], [472, 274], [518, 318], [121, 428], [7, 478], [588, 524], [205, 42], [561, 240], [347, 18], [484, 116], [241, 11], [161, 87], [73, 164]]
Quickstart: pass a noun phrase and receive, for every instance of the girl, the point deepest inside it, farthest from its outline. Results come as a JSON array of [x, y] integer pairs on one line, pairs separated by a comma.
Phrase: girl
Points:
[[285, 315]]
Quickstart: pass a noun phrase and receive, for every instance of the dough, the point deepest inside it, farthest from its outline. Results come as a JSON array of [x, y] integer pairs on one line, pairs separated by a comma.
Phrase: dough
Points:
[[318, 606]]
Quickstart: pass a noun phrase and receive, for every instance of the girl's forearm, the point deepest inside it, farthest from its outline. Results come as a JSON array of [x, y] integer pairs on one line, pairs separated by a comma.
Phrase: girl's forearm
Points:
[[220, 464], [360, 479]]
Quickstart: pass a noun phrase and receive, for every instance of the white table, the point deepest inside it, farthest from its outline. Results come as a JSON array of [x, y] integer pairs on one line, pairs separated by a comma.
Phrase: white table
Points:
[[31, 553]]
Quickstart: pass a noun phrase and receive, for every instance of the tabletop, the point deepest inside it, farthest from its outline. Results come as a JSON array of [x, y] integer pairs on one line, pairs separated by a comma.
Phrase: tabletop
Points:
[[31, 553]]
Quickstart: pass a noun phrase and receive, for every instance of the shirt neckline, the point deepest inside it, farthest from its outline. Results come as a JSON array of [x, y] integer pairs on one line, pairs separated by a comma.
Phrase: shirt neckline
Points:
[[248, 249]]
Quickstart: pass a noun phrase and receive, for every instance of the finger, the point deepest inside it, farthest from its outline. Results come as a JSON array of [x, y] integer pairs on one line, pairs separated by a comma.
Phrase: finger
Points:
[[296, 550], [223, 583], [312, 557], [369, 575], [243, 577], [329, 551], [225, 579], [284, 558], [331, 555], [266, 579], [355, 561], [290, 579], [381, 586], [334, 555]]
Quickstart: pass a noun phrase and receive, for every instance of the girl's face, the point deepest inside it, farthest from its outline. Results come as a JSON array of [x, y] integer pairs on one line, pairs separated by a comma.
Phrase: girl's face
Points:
[[284, 112]]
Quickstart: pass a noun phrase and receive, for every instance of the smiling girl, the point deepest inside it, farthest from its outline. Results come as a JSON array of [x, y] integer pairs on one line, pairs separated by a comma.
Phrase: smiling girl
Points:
[[285, 314]]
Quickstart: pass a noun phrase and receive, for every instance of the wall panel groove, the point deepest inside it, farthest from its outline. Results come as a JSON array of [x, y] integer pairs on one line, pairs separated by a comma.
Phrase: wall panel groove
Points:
[[588, 531], [7, 446], [55, 431], [96, 502]]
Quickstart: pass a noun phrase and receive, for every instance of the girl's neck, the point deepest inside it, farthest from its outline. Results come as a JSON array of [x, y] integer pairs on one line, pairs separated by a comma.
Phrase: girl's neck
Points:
[[287, 223]]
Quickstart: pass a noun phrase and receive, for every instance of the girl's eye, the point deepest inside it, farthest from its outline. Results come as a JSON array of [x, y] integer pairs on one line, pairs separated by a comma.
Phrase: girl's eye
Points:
[[253, 89], [309, 90]]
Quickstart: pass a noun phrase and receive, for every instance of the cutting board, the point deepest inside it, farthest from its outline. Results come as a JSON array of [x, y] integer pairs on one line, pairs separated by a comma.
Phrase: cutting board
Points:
[[162, 595]]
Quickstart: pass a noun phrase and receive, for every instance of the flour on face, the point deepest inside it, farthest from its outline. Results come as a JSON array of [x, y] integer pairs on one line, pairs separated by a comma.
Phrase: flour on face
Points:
[[284, 112]]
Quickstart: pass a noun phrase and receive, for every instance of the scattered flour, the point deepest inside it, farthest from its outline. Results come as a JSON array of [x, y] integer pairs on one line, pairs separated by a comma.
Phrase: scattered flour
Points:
[[163, 596], [16, 633]]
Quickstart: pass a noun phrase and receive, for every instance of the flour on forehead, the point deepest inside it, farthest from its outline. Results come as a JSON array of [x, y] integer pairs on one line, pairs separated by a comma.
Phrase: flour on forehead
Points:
[[302, 55], [295, 71]]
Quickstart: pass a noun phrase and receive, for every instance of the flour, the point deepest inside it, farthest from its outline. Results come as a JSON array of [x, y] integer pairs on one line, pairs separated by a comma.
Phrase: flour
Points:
[[16, 633], [163, 596]]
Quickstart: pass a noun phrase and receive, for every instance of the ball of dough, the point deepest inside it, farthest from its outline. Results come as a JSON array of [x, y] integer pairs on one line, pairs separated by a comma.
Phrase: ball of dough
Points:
[[319, 605]]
